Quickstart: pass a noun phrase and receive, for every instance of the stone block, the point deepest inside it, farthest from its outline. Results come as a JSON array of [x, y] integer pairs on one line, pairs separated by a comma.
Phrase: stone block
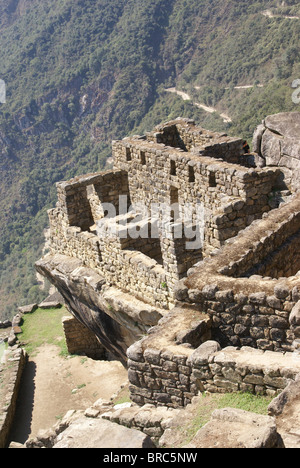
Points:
[[295, 315], [135, 352], [234, 428], [203, 354], [152, 356], [28, 309], [100, 433]]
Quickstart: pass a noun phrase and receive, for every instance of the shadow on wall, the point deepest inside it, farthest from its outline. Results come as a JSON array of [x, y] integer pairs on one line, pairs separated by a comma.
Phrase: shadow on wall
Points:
[[21, 428]]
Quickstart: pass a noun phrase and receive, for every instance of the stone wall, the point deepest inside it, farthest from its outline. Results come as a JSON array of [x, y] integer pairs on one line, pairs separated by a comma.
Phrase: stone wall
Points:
[[233, 196], [172, 375], [80, 340], [184, 134], [11, 370], [276, 140], [243, 370], [79, 200], [126, 268], [116, 318], [195, 172], [148, 419], [249, 310]]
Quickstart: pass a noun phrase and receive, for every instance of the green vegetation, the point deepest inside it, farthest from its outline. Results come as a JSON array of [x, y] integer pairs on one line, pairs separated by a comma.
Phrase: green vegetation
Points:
[[44, 327], [123, 396], [80, 73], [246, 401], [209, 403]]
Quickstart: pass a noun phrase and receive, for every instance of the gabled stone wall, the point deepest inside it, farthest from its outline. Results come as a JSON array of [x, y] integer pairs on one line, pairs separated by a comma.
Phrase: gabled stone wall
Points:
[[227, 197]]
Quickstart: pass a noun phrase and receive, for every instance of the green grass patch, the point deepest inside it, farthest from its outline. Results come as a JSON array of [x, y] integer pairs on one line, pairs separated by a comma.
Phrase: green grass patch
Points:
[[123, 396], [44, 327], [211, 402], [245, 401]]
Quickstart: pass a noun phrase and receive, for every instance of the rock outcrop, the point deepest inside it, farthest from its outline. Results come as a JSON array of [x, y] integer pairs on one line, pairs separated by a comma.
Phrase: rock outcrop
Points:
[[277, 141], [239, 429], [100, 433], [117, 319]]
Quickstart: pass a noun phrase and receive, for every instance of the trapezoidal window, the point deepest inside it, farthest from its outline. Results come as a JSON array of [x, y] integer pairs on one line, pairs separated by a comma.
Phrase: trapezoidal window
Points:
[[143, 158], [191, 174], [212, 179], [174, 196], [128, 154], [173, 168], [174, 204]]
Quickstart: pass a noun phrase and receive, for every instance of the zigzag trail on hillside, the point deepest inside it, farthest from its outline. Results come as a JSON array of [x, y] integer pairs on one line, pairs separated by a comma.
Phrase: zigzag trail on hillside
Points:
[[269, 14], [187, 97]]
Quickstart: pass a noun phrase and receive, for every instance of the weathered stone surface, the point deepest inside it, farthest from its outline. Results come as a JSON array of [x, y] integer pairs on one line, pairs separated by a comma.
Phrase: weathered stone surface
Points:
[[286, 124], [28, 309], [135, 352], [287, 397], [232, 428], [295, 315], [11, 373], [100, 433], [199, 331], [257, 138], [50, 305], [203, 353], [81, 290], [127, 304], [16, 445], [277, 141]]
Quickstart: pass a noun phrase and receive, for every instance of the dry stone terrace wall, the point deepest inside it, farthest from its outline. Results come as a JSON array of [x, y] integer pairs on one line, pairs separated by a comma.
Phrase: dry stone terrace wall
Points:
[[11, 369], [226, 196], [232, 196], [184, 134], [165, 373], [251, 311], [127, 269], [80, 340]]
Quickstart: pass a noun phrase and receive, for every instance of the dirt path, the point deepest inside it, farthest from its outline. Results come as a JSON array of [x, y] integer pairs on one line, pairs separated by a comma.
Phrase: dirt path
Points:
[[269, 14], [52, 385], [187, 97]]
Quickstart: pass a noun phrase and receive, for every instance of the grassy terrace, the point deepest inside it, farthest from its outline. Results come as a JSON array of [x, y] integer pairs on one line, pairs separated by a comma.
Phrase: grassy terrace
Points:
[[44, 327]]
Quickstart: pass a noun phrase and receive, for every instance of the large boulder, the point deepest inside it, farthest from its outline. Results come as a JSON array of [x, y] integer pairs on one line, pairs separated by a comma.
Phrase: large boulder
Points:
[[277, 141], [234, 428], [103, 434]]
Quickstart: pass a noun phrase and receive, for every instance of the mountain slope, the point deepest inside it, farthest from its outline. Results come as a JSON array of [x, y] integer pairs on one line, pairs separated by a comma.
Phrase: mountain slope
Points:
[[80, 73]]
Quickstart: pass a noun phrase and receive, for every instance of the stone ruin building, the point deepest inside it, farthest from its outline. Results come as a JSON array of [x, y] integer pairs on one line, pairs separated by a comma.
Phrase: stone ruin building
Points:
[[187, 316]]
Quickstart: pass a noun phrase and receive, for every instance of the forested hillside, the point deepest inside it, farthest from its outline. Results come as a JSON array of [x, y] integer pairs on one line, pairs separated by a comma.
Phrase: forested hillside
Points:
[[80, 73]]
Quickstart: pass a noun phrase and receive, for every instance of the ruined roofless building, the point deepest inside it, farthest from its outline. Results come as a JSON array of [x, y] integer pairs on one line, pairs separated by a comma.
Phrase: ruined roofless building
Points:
[[136, 245]]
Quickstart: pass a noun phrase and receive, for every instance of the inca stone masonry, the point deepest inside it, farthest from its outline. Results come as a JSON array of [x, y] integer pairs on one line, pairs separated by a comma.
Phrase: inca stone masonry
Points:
[[222, 314]]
